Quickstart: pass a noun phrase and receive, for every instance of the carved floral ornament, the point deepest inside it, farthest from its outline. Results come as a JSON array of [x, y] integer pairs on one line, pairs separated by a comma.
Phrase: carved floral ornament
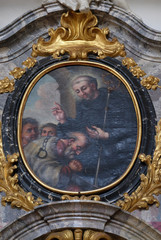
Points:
[[78, 36]]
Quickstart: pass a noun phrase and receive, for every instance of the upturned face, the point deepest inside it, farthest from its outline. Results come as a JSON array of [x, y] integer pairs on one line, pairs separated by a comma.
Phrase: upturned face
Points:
[[85, 90]]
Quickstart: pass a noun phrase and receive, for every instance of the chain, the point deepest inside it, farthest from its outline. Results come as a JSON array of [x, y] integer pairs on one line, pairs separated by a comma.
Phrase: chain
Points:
[[42, 153]]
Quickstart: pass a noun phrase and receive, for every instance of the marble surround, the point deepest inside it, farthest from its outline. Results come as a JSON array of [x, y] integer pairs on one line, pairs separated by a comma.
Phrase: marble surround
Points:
[[78, 215], [141, 43]]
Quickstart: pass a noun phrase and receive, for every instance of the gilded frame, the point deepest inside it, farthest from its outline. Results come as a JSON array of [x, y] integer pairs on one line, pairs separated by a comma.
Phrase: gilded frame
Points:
[[136, 107], [110, 192]]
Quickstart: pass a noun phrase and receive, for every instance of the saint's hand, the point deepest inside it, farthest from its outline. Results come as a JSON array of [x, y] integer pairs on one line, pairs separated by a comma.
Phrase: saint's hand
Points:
[[59, 113], [97, 133], [75, 165]]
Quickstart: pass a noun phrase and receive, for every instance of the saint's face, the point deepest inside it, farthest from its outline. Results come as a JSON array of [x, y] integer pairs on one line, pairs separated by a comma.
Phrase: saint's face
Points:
[[48, 131], [29, 133], [85, 90]]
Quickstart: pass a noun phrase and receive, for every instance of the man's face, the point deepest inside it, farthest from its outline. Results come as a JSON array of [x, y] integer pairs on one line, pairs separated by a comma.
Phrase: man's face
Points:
[[85, 90], [73, 146], [78, 143], [29, 133], [48, 131]]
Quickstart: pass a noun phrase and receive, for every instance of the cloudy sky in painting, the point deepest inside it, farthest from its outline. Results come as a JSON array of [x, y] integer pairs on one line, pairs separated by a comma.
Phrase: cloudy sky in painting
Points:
[[41, 100]]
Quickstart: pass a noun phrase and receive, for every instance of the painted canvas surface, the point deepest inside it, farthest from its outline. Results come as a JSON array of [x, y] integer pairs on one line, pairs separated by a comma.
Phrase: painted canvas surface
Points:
[[76, 126]]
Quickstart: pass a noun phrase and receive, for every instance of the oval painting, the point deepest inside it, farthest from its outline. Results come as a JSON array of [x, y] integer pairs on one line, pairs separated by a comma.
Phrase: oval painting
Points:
[[80, 127]]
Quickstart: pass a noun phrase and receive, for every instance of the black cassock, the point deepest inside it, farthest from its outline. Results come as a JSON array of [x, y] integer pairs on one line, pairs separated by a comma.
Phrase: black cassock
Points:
[[117, 151]]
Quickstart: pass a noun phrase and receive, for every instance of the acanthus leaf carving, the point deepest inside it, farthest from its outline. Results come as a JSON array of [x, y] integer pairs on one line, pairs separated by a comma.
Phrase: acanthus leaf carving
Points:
[[150, 184], [9, 183]]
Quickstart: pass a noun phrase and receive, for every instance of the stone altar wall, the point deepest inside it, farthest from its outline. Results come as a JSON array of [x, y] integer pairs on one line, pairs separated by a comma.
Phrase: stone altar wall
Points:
[[141, 43]]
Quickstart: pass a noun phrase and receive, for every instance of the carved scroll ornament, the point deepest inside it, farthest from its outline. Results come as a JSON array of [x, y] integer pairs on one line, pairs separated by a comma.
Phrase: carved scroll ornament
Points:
[[83, 197], [78, 36], [79, 234]]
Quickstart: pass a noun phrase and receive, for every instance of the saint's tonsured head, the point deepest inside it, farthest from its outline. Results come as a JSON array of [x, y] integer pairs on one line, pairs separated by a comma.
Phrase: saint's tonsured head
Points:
[[85, 87]]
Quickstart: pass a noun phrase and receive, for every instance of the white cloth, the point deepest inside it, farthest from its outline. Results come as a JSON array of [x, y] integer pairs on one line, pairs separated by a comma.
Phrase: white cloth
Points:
[[84, 5]]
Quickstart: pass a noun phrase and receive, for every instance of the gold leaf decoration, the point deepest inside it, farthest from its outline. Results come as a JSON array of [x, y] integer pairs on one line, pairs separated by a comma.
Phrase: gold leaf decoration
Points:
[[133, 67], [9, 183], [150, 184], [79, 234], [17, 72], [150, 82], [7, 85], [63, 235], [83, 197], [29, 62], [93, 235], [78, 36], [137, 72], [128, 62]]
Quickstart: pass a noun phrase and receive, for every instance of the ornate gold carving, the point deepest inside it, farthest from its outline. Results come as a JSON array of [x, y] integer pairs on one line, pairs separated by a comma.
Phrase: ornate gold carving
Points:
[[79, 235], [63, 235], [129, 62], [150, 184], [17, 72], [150, 82], [133, 67], [78, 36], [93, 235], [137, 72], [83, 197], [29, 62], [6, 85], [9, 183]]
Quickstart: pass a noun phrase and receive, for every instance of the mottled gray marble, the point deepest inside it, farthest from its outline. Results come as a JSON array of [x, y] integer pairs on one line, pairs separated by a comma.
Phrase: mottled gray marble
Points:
[[141, 43], [77, 214]]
